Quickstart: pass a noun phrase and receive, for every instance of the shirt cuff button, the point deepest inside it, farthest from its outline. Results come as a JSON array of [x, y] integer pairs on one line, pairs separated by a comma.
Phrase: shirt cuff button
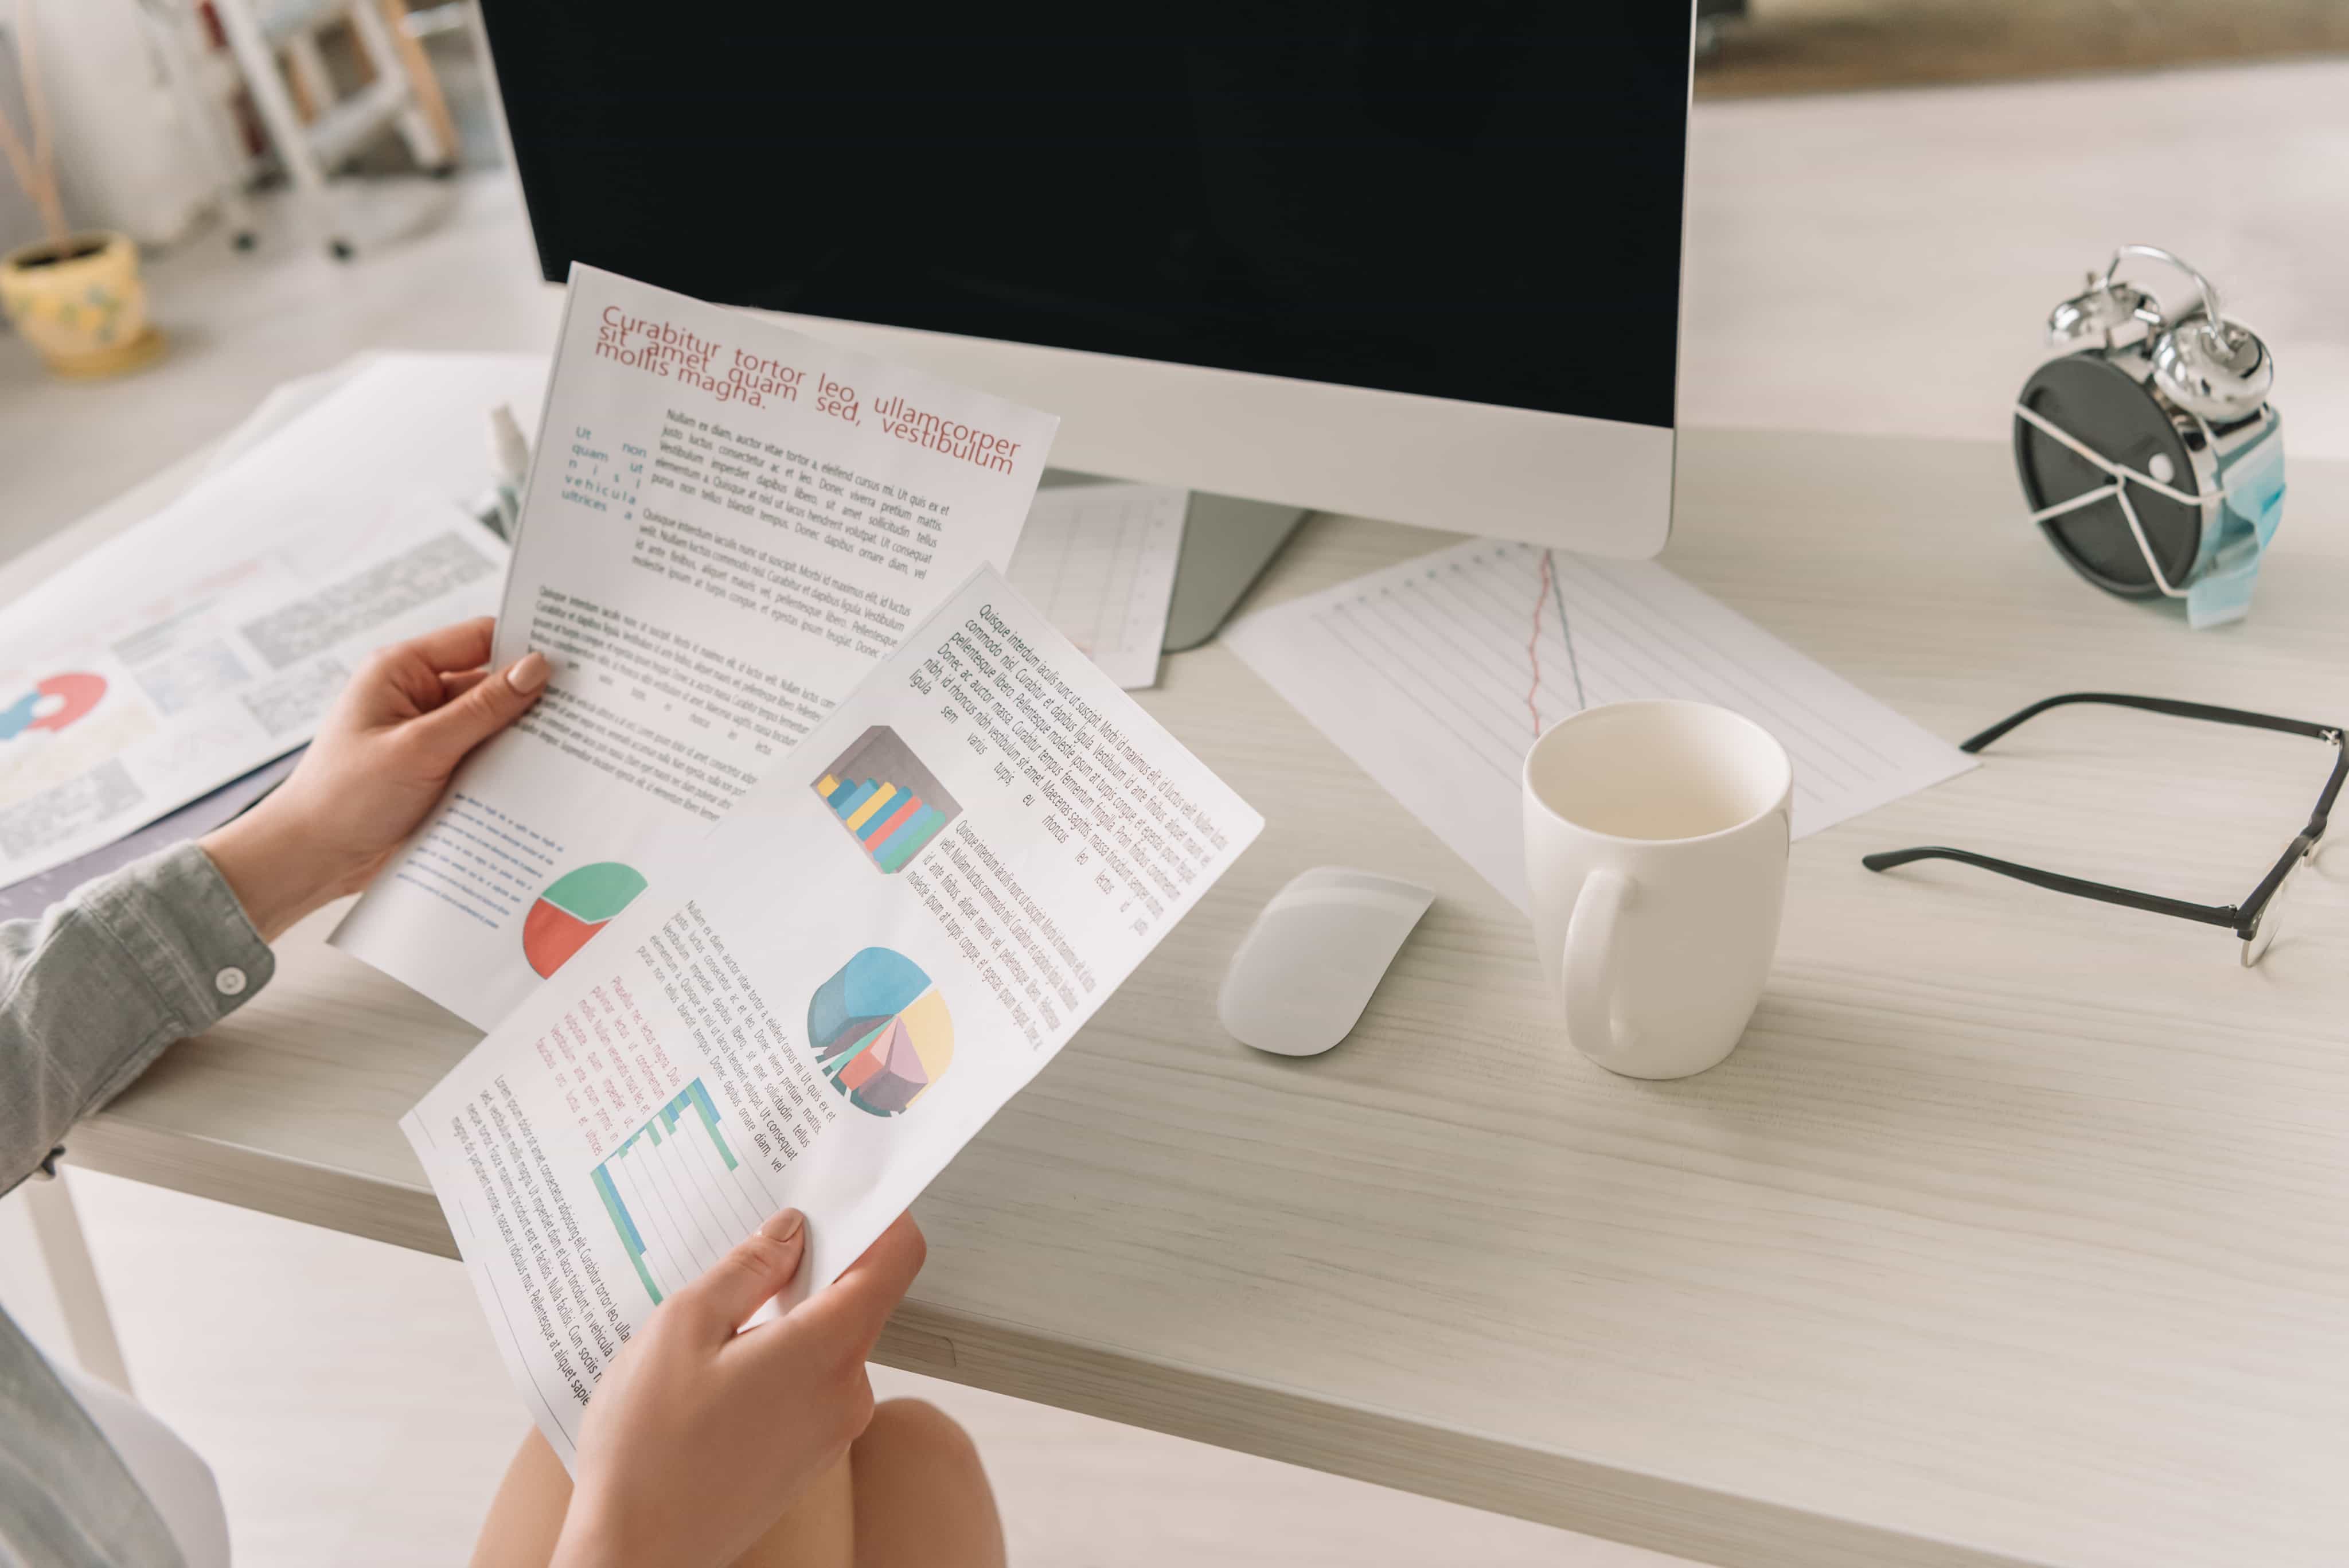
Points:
[[230, 981]]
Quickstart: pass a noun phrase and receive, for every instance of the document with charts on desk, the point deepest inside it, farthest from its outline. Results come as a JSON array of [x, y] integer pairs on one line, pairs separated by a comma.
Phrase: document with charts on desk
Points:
[[889, 934], [210, 638], [727, 525], [1099, 560], [1436, 676]]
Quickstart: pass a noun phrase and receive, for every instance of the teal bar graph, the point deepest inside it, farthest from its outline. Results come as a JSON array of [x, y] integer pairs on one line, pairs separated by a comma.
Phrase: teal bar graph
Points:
[[677, 1194], [901, 846]]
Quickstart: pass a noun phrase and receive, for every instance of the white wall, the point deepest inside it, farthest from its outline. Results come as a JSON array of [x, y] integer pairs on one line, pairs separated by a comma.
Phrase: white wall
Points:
[[20, 220], [1883, 262], [124, 160]]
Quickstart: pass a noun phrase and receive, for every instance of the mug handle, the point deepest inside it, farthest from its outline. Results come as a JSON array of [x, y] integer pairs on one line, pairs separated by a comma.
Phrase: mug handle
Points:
[[1593, 961]]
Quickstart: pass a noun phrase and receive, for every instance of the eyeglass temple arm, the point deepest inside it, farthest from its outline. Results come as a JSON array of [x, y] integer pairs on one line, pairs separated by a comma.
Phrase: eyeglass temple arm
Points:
[[2175, 709], [2204, 711], [2056, 882], [2210, 914]]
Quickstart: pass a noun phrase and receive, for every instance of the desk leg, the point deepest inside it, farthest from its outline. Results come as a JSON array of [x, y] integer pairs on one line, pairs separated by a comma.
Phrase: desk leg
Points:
[[73, 1278]]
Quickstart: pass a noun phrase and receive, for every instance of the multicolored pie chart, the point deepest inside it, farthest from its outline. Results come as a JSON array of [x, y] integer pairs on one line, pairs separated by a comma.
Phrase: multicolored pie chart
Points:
[[881, 1031], [574, 907], [55, 704]]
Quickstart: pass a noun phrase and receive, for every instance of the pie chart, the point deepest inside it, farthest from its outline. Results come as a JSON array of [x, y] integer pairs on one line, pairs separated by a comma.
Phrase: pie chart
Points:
[[573, 908], [53, 705], [881, 1032]]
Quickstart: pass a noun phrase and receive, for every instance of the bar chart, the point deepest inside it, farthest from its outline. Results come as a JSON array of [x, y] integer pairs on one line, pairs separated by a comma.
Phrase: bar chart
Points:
[[677, 1195], [887, 799]]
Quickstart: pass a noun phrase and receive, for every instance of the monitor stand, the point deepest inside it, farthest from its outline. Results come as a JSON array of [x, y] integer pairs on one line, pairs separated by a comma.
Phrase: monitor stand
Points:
[[1227, 543]]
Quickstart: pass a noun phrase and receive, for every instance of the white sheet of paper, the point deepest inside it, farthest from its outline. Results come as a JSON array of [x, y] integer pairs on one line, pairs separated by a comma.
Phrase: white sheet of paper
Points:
[[726, 525], [289, 400], [816, 1007], [207, 640], [1437, 675], [1098, 561]]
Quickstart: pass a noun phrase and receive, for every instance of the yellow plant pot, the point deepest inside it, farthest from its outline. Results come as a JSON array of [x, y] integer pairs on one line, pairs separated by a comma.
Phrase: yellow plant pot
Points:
[[80, 303]]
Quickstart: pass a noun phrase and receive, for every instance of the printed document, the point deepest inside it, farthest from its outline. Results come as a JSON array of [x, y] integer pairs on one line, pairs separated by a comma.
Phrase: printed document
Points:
[[1438, 674], [1099, 560], [888, 935], [726, 525], [209, 639]]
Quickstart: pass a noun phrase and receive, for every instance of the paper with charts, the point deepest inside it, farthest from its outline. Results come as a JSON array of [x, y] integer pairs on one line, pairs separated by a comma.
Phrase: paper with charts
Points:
[[891, 932], [209, 639], [727, 525], [1437, 675], [1098, 561]]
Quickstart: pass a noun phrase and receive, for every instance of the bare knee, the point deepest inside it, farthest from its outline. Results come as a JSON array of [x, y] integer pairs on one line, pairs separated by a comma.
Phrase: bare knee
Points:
[[921, 1496], [915, 1428]]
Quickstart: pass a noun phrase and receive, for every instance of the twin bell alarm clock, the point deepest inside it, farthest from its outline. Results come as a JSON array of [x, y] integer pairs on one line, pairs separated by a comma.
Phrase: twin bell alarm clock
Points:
[[2148, 452]]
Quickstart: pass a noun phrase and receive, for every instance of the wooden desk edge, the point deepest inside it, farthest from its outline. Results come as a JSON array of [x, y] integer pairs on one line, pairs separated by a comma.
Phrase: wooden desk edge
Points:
[[402, 1213], [1454, 1465], [1275, 1423]]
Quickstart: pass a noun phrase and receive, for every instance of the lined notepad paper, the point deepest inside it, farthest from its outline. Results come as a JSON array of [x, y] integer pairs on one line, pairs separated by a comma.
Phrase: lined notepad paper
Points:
[[1437, 675]]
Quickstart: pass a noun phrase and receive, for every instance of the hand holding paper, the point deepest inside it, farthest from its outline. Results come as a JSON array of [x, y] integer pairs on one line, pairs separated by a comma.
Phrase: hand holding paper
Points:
[[382, 756], [206, 641], [701, 1435], [726, 525], [886, 937]]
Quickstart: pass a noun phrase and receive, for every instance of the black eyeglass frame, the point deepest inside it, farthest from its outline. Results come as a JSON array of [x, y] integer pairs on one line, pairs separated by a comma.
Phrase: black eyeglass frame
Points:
[[2242, 918]]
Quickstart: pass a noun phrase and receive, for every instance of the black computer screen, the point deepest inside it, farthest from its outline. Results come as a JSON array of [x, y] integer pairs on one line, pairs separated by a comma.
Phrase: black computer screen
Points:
[[1464, 200]]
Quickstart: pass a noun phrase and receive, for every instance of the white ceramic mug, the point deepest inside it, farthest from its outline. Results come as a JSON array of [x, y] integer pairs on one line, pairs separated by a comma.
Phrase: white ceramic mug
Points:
[[1656, 837]]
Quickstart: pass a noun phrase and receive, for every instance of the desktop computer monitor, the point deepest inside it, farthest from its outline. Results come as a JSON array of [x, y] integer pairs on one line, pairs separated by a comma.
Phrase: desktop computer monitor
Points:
[[1409, 261]]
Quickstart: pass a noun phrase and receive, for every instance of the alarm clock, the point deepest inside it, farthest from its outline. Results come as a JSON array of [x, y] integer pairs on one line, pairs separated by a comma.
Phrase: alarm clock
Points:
[[2148, 452]]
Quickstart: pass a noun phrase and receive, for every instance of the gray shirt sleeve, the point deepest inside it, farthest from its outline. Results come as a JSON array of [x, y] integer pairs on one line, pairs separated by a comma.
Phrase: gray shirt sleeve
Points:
[[92, 991]]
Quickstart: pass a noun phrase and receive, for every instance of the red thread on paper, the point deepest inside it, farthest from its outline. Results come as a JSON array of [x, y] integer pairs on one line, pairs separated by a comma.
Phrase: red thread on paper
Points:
[[1533, 647]]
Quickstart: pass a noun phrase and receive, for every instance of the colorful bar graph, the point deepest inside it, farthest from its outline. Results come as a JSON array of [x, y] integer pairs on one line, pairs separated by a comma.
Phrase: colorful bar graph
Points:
[[891, 804], [904, 844], [873, 803], [677, 1194], [879, 830]]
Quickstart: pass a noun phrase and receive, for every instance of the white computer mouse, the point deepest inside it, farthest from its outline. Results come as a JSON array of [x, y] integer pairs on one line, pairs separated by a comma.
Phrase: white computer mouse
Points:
[[1307, 968]]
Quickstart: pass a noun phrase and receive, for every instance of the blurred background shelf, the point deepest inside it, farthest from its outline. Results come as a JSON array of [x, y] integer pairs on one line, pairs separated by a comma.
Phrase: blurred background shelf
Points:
[[1758, 48]]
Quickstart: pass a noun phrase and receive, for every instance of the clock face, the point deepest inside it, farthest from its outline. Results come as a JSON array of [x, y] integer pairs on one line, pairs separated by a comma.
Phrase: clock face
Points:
[[2110, 411]]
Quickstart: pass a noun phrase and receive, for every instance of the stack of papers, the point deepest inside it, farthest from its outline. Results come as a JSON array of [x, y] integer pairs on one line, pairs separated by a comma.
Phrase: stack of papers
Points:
[[208, 640]]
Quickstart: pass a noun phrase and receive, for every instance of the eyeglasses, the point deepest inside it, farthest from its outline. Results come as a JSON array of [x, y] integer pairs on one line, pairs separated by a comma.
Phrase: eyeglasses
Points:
[[2257, 919]]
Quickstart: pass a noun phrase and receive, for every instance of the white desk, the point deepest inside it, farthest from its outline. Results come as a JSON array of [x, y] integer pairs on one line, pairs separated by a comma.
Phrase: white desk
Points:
[[2012, 1234]]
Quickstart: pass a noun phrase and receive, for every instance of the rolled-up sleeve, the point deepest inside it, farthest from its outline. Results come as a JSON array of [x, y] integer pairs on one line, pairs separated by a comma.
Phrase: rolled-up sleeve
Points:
[[92, 991]]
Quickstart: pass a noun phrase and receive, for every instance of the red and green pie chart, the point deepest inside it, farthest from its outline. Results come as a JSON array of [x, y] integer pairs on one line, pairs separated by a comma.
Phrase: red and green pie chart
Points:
[[574, 907]]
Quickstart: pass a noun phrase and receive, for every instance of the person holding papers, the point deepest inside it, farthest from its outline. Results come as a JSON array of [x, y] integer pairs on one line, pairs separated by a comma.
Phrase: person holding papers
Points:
[[702, 1446]]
